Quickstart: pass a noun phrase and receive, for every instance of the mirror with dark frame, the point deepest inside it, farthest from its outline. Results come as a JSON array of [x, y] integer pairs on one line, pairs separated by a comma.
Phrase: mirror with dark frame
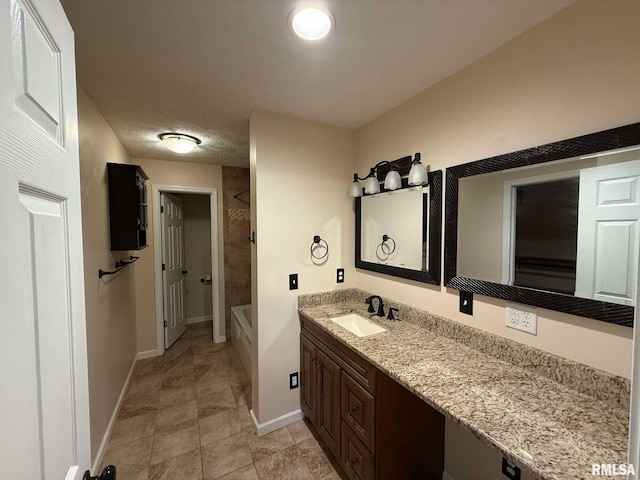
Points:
[[398, 232], [554, 226]]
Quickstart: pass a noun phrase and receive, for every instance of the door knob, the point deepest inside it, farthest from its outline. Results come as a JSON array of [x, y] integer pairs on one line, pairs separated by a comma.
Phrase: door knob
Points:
[[109, 473]]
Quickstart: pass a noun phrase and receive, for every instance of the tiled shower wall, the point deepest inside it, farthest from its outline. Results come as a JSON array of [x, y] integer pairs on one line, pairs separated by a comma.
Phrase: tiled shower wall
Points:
[[237, 225]]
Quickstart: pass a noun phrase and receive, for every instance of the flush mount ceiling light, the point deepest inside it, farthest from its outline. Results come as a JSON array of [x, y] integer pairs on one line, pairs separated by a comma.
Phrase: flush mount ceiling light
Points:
[[179, 142], [414, 169], [311, 22]]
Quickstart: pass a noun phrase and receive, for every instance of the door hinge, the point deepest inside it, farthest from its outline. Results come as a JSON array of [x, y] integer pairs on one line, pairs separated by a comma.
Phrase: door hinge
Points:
[[164, 267], [165, 323], [161, 209]]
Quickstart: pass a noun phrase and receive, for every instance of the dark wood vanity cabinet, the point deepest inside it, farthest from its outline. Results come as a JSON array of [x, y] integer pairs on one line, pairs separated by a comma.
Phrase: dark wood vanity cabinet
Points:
[[375, 427], [320, 393], [128, 218]]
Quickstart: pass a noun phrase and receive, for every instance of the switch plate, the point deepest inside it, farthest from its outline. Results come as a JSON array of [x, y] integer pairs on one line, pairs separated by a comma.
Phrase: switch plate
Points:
[[466, 302], [293, 281], [340, 275], [293, 380], [521, 317], [510, 470]]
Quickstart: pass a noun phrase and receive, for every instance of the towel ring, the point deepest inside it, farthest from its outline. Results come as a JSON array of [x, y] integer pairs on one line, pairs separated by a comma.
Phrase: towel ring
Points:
[[387, 249], [319, 243]]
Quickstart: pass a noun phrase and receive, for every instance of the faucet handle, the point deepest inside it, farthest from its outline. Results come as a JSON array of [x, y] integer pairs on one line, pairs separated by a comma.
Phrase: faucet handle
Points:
[[390, 315], [369, 301]]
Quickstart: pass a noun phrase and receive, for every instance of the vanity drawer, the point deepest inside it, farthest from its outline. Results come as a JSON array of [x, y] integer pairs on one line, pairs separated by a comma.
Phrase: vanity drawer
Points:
[[358, 410], [357, 461]]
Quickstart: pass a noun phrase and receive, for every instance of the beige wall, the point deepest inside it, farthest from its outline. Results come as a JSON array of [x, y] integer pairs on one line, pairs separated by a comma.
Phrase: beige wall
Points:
[[197, 256], [574, 74], [182, 174], [110, 301], [300, 175]]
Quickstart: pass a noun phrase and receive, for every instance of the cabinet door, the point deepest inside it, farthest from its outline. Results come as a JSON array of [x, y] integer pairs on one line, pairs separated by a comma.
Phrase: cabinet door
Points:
[[308, 380], [328, 414]]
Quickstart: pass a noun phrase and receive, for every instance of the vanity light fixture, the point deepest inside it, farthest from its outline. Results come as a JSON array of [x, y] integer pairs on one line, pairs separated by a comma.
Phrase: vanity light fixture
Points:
[[417, 176], [311, 21], [179, 142]]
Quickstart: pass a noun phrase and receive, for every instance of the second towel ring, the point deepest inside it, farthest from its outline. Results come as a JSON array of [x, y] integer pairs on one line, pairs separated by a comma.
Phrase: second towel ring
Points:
[[319, 243], [387, 249]]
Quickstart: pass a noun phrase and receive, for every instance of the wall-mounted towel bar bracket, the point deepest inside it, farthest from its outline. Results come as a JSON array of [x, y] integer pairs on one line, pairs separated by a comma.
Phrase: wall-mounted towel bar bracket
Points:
[[120, 264]]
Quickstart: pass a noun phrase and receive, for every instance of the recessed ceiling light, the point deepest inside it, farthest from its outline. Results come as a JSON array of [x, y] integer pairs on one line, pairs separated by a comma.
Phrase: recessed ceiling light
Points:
[[179, 142], [311, 22]]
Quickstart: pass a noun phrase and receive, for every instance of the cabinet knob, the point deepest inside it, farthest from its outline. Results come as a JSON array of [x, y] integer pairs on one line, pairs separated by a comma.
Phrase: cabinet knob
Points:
[[354, 408], [354, 460]]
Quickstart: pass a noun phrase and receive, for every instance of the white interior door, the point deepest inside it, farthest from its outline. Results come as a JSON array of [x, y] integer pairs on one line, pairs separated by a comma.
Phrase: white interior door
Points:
[[608, 234], [174, 268], [44, 406]]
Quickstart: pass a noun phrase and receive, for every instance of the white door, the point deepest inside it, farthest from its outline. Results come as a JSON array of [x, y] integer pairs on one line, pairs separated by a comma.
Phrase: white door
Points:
[[173, 261], [44, 405], [608, 234]]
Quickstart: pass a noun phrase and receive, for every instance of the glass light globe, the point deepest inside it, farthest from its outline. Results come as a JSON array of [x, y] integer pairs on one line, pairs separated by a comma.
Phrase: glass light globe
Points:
[[178, 142], [371, 186], [311, 23], [355, 190], [392, 181], [417, 174]]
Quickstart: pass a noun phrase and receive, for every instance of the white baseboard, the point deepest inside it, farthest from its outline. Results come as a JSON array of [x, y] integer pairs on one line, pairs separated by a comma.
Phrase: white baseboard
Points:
[[114, 416], [148, 354], [446, 476], [276, 423], [220, 339], [205, 318]]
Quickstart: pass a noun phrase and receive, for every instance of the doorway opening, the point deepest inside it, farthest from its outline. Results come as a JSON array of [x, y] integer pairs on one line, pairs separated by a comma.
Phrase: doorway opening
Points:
[[187, 290]]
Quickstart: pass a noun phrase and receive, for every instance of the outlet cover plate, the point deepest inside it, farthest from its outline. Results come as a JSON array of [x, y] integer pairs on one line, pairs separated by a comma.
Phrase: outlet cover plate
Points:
[[466, 302], [340, 275], [293, 380], [521, 317], [509, 470]]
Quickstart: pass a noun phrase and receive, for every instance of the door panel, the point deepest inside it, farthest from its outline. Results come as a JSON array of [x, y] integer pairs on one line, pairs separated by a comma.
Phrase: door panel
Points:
[[328, 414], [43, 359], [608, 236], [308, 385], [173, 259]]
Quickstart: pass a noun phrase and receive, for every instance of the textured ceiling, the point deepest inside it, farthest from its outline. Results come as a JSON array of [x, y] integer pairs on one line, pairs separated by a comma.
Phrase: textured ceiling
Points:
[[201, 66]]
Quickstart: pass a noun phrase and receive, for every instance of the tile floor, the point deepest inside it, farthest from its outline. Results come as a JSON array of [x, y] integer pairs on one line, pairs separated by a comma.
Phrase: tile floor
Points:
[[186, 417]]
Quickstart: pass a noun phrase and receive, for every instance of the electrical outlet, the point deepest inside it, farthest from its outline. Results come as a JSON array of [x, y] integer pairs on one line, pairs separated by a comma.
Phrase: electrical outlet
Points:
[[293, 380], [522, 317], [340, 275], [510, 470]]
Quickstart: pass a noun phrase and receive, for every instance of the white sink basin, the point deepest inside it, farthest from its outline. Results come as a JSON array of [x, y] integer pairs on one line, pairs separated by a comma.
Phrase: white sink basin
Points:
[[360, 326]]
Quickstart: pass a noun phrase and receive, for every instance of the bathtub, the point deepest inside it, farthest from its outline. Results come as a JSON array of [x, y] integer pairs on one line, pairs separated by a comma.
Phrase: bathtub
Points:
[[241, 334]]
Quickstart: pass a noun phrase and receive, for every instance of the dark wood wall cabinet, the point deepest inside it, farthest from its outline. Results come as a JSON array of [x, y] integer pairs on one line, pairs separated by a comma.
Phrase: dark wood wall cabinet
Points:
[[128, 221], [374, 427]]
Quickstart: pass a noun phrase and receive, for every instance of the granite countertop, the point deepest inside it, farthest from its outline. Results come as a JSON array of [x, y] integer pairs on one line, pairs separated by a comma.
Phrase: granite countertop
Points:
[[553, 423]]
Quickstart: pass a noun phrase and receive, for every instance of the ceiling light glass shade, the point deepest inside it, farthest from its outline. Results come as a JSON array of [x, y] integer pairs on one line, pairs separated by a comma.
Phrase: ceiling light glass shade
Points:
[[355, 190], [179, 142], [392, 181], [311, 23], [417, 174], [371, 186]]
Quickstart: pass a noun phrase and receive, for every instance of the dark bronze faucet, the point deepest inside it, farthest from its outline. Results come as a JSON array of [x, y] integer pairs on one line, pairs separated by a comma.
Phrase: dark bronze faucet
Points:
[[369, 301]]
